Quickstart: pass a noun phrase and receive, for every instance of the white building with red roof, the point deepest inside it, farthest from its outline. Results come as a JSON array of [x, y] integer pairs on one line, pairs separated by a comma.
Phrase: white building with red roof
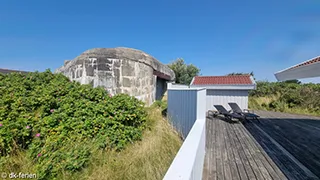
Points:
[[7, 71], [222, 90], [307, 69]]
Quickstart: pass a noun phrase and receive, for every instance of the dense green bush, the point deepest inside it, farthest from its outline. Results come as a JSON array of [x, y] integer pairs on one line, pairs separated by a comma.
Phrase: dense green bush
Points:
[[287, 95], [44, 114]]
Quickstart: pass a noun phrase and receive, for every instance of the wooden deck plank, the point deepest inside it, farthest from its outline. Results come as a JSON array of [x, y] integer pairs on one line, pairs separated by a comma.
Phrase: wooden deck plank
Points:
[[304, 125], [269, 164], [296, 144], [277, 156], [218, 151], [246, 149], [226, 163], [296, 129], [206, 167], [256, 155], [300, 142], [240, 167], [282, 146], [242, 155], [231, 157], [285, 147], [267, 167], [264, 144], [213, 172], [303, 138]]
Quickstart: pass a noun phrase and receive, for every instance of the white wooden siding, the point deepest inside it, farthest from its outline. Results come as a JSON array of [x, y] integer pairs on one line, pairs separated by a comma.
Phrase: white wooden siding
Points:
[[223, 97]]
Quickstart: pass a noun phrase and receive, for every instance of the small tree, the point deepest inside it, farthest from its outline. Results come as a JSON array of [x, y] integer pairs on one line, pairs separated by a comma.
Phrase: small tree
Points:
[[294, 81], [184, 73], [235, 74]]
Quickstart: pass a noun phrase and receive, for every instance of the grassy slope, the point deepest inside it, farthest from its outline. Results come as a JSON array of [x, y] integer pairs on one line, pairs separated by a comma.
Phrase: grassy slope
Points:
[[147, 159]]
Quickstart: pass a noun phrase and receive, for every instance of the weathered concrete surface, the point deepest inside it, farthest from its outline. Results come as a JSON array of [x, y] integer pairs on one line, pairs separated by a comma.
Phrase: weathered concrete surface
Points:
[[120, 70]]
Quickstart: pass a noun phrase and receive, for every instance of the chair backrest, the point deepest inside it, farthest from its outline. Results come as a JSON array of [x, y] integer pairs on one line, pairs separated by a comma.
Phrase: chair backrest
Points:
[[221, 109], [235, 107]]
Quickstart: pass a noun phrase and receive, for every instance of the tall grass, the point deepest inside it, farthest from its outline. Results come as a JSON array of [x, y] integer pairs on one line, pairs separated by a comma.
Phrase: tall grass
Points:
[[263, 103], [289, 96], [147, 159]]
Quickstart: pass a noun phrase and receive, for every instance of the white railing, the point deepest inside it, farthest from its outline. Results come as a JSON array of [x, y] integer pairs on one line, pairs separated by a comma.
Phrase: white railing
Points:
[[186, 111], [188, 163]]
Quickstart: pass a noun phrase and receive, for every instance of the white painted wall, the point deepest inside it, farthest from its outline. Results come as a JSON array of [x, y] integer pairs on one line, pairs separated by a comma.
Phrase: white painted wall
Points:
[[223, 97]]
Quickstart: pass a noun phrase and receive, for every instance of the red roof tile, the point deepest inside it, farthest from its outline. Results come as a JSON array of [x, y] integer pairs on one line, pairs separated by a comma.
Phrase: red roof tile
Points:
[[222, 80], [314, 60]]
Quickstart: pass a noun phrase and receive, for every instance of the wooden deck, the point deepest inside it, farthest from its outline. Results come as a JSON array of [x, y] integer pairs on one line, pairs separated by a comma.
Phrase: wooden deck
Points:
[[281, 146], [291, 141]]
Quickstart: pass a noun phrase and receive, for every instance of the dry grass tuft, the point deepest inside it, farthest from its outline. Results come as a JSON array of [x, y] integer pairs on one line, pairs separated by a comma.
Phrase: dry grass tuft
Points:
[[147, 159]]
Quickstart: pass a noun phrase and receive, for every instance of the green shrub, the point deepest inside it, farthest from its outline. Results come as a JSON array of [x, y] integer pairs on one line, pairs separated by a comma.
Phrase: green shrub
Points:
[[43, 113]]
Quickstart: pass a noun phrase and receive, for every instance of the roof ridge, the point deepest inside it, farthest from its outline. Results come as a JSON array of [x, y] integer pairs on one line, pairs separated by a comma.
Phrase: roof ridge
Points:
[[223, 80], [11, 69], [226, 75], [5, 71], [315, 59]]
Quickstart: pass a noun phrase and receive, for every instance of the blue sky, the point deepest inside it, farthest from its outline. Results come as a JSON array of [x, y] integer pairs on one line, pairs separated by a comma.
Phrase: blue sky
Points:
[[217, 36]]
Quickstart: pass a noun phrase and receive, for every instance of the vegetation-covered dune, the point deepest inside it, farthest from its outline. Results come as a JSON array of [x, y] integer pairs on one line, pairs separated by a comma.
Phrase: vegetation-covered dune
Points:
[[59, 129], [291, 97]]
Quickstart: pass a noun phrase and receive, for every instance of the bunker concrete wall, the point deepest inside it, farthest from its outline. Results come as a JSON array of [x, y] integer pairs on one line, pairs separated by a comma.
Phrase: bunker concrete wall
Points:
[[118, 71]]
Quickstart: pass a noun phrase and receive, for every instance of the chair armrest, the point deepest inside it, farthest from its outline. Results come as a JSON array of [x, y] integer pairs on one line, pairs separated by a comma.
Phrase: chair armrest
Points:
[[248, 111]]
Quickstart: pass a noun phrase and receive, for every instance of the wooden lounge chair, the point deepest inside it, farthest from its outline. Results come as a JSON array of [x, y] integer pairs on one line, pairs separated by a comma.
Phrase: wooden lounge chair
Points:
[[228, 115], [246, 113]]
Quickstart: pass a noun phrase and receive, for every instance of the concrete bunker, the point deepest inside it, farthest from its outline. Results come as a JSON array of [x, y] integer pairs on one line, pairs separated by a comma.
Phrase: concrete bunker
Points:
[[120, 70]]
